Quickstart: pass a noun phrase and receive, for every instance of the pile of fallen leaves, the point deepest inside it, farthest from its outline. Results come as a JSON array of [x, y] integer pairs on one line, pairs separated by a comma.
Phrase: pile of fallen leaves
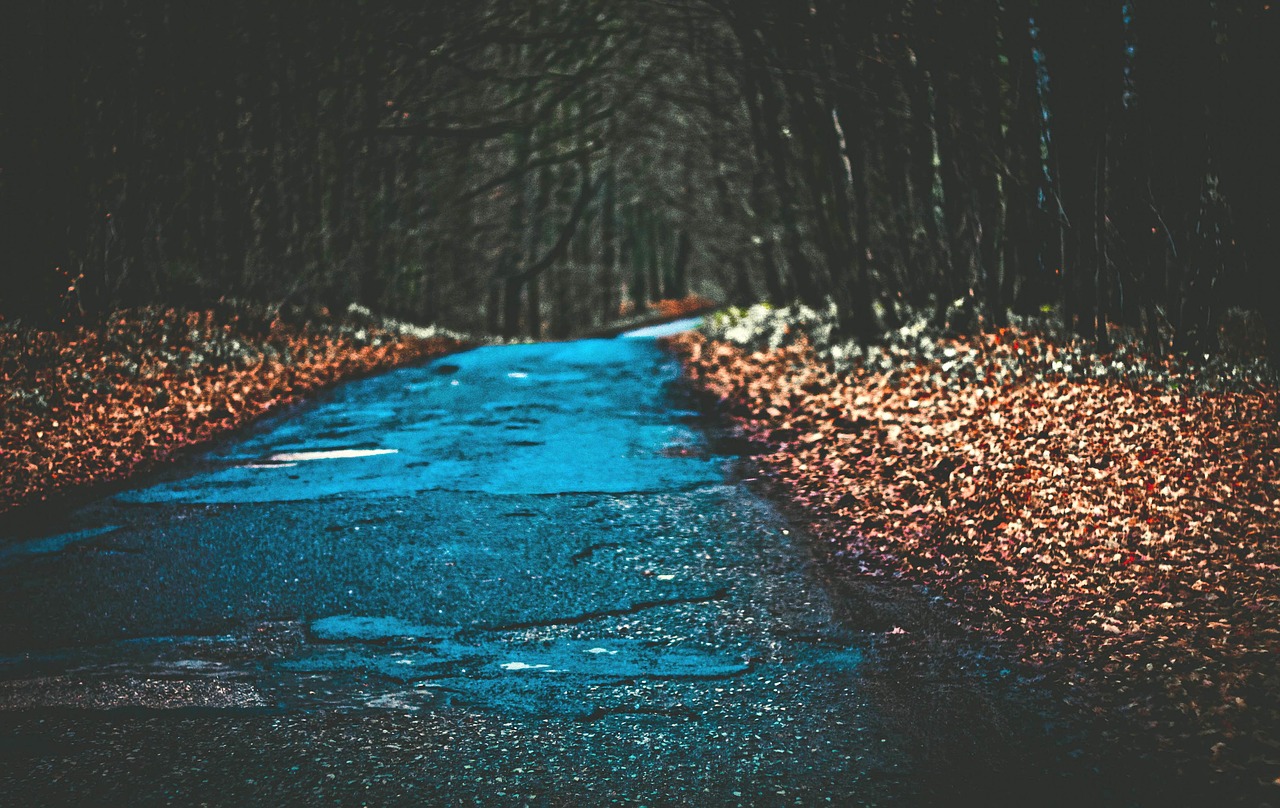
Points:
[[95, 404], [1122, 529]]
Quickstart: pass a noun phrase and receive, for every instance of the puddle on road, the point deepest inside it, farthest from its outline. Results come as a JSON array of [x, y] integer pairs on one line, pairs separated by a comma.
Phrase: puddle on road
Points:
[[360, 645]]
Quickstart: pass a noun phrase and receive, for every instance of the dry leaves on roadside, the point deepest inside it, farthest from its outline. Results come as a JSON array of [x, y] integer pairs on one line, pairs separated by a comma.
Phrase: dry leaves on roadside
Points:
[[92, 405], [1123, 534]]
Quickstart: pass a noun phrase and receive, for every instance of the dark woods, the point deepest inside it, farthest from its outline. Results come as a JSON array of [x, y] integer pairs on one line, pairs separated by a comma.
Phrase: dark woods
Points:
[[1104, 160], [539, 168]]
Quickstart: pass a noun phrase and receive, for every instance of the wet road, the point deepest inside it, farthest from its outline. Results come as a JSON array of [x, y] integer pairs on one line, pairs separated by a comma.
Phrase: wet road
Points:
[[516, 575]]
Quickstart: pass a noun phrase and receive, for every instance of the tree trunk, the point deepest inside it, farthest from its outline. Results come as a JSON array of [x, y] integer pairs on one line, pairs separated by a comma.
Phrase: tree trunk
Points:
[[680, 265], [535, 307], [511, 298], [608, 245]]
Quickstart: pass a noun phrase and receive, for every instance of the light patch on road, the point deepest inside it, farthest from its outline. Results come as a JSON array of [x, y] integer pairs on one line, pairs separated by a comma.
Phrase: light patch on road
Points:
[[663, 329], [393, 701], [327, 454]]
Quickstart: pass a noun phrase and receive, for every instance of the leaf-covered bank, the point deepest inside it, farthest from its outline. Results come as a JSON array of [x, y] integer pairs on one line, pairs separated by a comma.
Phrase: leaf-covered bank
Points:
[[96, 404], [1120, 529]]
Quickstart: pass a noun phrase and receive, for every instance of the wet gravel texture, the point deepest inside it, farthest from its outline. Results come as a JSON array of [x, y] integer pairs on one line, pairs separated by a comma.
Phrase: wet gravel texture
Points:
[[519, 575]]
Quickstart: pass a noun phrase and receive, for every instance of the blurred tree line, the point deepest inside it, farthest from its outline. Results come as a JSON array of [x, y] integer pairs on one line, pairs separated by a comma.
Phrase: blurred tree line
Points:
[[543, 167]]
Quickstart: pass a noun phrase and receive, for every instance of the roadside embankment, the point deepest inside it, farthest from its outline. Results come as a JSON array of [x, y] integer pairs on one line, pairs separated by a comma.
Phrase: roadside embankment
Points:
[[94, 405], [1114, 519]]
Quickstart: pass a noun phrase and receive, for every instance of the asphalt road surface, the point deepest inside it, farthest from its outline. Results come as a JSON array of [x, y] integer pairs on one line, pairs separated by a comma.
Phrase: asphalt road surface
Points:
[[524, 574]]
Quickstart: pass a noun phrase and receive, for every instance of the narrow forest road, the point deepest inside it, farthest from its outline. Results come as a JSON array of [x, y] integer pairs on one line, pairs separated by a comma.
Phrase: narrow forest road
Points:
[[518, 574]]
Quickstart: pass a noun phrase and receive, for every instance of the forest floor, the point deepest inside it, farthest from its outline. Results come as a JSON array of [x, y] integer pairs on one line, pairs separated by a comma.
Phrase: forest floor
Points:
[[91, 406], [1112, 518]]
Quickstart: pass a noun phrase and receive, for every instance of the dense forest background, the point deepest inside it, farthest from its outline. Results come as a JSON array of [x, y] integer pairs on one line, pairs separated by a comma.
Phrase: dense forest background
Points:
[[540, 168]]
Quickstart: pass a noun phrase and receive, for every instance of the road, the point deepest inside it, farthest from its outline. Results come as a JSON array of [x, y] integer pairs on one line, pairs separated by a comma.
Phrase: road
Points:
[[521, 574]]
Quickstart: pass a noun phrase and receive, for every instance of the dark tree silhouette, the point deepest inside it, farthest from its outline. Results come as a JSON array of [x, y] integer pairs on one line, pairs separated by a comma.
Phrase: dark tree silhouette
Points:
[[500, 166]]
